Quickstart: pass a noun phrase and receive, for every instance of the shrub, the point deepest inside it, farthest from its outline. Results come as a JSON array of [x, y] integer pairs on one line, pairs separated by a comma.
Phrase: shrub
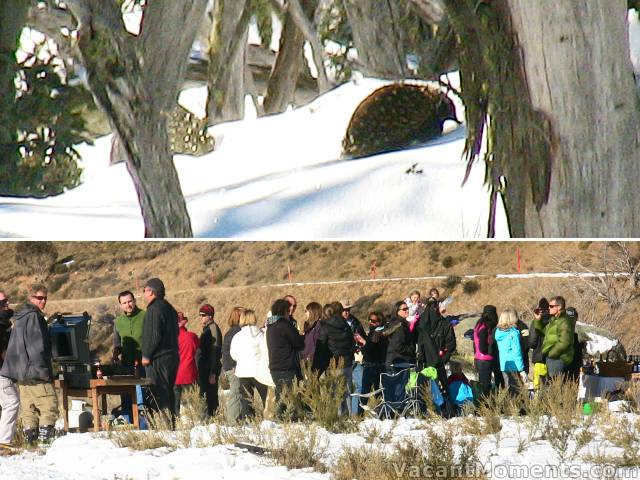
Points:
[[317, 398], [448, 261], [58, 281], [433, 455], [301, 446], [451, 282], [470, 287]]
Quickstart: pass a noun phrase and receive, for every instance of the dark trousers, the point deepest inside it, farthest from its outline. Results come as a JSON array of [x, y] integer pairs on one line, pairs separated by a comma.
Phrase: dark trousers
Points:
[[210, 394], [555, 367], [247, 387], [282, 379], [485, 368], [177, 393], [513, 381], [162, 373]]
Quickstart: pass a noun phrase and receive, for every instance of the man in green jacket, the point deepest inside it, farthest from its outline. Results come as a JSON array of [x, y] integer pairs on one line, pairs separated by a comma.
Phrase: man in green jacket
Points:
[[127, 342], [557, 347], [127, 331]]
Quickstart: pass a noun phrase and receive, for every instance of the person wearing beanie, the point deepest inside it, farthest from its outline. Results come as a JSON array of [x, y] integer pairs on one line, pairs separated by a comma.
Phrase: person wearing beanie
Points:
[[536, 338], [209, 358], [188, 344], [160, 354], [485, 351], [573, 369]]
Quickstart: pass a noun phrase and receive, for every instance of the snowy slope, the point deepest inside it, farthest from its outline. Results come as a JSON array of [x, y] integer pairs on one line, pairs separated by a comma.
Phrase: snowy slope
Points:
[[275, 177]]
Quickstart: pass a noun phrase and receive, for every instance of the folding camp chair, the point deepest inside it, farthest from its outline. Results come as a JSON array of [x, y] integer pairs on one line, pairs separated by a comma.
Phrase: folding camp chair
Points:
[[399, 395]]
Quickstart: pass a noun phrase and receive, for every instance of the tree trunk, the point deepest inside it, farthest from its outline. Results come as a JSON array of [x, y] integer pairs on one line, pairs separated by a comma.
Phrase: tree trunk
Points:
[[284, 76], [378, 37], [137, 105], [580, 76], [303, 23], [227, 60], [13, 16]]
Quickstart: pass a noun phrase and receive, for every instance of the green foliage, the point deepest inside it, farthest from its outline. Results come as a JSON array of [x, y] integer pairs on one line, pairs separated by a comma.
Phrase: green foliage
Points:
[[44, 121], [334, 28], [263, 11], [633, 4]]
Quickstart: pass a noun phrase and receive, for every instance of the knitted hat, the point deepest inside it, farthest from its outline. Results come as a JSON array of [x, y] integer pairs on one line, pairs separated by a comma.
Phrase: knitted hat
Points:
[[490, 312], [207, 310], [572, 313], [156, 285], [543, 304]]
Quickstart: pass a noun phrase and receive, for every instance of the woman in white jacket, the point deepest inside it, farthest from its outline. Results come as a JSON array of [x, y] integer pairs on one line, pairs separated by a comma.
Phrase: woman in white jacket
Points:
[[249, 350]]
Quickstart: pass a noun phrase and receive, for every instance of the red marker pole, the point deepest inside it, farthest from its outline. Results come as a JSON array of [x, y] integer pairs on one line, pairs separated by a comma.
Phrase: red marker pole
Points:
[[213, 278], [289, 273], [374, 270], [518, 258]]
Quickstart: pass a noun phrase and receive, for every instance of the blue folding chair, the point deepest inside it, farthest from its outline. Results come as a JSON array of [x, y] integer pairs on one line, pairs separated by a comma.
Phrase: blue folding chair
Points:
[[398, 396]]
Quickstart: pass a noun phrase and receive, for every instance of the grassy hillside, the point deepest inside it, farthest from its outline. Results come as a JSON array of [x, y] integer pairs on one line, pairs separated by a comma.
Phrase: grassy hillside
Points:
[[253, 274]]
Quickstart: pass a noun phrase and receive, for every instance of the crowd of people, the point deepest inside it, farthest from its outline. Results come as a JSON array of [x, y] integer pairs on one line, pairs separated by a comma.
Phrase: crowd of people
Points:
[[256, 354]]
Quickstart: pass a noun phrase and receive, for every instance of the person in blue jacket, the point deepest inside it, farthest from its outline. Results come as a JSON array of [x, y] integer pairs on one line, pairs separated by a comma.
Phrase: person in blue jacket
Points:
[[507, 338]]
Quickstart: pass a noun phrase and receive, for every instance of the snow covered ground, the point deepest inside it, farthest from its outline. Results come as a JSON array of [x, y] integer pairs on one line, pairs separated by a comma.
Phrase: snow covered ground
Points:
[[279, 177], [511, 454]]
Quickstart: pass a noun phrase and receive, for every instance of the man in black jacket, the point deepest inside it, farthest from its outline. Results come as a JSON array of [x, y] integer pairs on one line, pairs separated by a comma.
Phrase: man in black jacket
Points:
[[27, 361], [160, 353], [209, 358], [436, 341]]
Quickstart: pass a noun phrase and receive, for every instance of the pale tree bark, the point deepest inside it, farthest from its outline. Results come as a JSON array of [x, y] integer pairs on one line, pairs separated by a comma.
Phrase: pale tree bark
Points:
[[310, 34], [579, 74], [227, 60], [378, 37], [136, 89], [431, 11], [284, 75]]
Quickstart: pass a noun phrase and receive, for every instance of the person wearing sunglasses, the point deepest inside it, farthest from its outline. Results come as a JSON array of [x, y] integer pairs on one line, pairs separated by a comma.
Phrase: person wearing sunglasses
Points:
[[557, 346], [401, 351], [28, 362], [209, 358]]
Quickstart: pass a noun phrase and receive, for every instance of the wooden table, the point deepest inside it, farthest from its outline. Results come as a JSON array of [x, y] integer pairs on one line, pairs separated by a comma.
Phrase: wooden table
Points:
[[118, 385]]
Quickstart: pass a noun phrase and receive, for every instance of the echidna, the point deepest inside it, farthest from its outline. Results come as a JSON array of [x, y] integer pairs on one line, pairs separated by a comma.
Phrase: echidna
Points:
[[394, 117]]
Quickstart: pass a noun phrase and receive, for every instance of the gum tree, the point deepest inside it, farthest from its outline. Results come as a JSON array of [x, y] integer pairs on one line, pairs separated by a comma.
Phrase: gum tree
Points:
[[552, 84]]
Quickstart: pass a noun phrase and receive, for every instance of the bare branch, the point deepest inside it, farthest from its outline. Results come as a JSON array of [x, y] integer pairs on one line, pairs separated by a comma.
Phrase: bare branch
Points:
[[311, 35]]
